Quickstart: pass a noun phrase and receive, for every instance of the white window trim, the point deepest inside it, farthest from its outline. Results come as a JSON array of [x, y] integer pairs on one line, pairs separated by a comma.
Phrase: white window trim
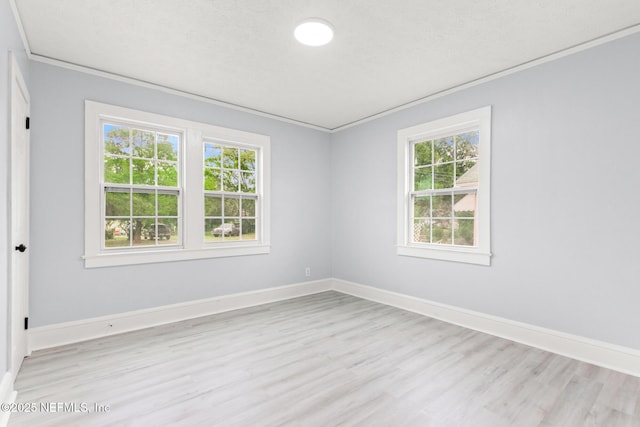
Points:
[[480, 254], [193, 243]]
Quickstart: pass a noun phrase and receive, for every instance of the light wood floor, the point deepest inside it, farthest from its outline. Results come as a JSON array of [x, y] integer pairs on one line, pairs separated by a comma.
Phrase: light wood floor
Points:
[[323, 360]]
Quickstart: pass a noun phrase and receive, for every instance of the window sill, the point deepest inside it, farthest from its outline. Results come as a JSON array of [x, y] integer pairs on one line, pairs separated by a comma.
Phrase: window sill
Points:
[[132, 258], [455, 254]]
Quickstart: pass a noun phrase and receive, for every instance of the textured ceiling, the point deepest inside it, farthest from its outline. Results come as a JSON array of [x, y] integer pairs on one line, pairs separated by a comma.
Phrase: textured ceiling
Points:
[[385, 53]]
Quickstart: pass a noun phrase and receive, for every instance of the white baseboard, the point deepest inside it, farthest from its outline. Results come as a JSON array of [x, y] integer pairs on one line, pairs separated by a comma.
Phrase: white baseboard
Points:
[[86, 329], [622, 359], [599, 353], [7, 395]]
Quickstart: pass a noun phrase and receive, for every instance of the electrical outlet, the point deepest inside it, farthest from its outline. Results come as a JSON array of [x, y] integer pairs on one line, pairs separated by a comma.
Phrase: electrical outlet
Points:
[[307, 271]]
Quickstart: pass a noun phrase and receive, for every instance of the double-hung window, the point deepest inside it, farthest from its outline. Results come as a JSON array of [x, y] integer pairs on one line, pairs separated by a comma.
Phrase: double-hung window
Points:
[[140, 189], [158, 189], [230, 192], [443, 188]]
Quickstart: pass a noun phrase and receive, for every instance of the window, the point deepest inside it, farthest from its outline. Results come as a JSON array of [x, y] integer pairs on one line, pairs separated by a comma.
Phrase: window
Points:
[[161, 189], [140, 186], [230, 196], [443, 188]]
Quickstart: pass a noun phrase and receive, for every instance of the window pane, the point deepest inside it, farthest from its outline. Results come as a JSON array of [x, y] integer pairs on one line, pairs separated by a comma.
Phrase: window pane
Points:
[[116, 170], [248, 229], [168, 146], [117, 203], [143, 172], [442, 206], [116, 139], [443, 150], [463, 232], [467, 174], [227, 230], [441, 232], [465, 205], [443, 176], [230, 158], [231, 206], [248, 160], [212, 155], [116, 233], [421, 231], [422, 179], [467, 145], [144, 204], [167, 231], [156, 232], [230, 181], [212, 206], [422, 153], [212, 230], [248, 207], [422, 206], [143, 143], [167, 204], [142, 234], [168, 174], [248, 182], [212, 179], [231, 228]]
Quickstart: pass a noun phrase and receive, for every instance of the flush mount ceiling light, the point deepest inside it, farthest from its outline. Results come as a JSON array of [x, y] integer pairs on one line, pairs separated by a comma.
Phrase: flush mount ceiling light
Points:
[[314, 32]]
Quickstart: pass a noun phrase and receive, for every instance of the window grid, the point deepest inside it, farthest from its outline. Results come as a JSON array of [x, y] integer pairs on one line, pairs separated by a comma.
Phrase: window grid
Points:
[[141, 207], [231, 201], [458, 153]]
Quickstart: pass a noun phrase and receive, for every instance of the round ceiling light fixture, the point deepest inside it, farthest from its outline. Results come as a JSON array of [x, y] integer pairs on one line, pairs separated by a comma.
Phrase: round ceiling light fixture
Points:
[[314, 32]]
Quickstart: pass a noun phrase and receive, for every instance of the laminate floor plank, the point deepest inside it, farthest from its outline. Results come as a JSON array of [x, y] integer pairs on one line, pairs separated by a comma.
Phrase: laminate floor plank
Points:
[[323, 360]]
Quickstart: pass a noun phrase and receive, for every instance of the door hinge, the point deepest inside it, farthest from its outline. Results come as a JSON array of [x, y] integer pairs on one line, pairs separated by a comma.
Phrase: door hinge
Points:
[[27, 122], [26, 323]]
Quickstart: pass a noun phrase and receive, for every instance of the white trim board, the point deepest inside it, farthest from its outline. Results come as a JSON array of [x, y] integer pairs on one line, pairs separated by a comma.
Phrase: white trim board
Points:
[[169, 90], [82, 330], [618, 358], [7, 395]]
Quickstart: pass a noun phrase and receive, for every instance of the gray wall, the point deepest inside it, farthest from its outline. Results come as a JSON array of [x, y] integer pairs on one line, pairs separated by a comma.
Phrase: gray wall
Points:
[[63, 290], [565, 235], [9, 42], [564, 152]]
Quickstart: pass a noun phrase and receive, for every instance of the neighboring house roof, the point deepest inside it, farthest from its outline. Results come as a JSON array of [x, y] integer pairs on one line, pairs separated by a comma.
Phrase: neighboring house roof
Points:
[[469, 178]]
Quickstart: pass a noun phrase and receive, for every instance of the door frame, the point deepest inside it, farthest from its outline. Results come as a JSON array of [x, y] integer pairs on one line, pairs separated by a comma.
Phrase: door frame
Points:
[[18, 87]]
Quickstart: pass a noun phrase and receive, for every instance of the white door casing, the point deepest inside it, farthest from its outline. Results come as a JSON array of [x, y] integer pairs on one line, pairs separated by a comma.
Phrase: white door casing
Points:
[[19, 199]]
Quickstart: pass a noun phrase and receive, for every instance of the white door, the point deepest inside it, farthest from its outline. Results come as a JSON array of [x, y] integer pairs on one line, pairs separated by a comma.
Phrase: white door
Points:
[[19, 287]]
